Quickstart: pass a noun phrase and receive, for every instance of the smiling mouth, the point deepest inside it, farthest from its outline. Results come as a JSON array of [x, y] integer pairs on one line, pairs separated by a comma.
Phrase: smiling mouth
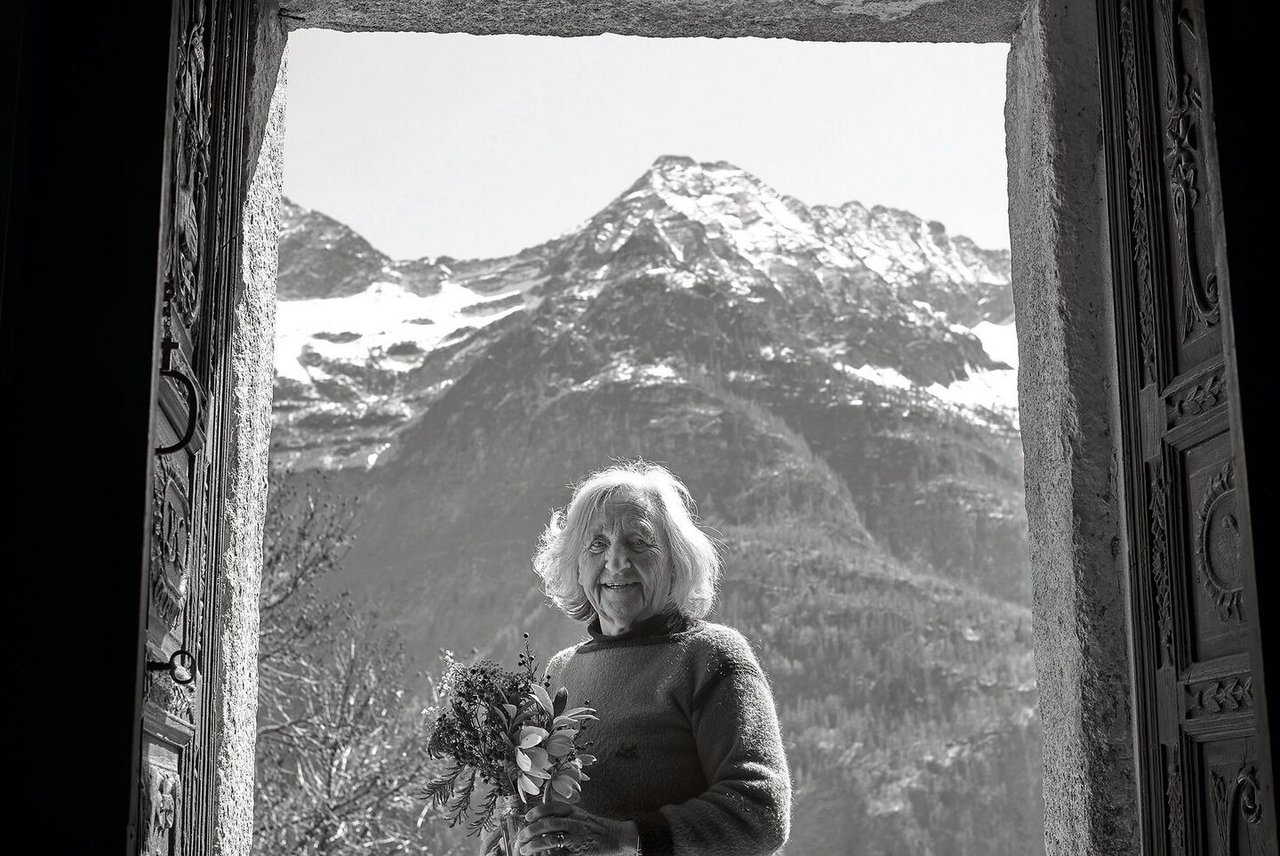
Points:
[[618, 586]]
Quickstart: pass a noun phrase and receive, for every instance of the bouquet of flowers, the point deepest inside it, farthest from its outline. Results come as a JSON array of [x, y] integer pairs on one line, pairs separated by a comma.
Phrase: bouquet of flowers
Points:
[[504, 730]]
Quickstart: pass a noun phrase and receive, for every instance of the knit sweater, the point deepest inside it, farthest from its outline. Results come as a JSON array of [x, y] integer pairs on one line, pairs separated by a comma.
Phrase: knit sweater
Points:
[[687, 744]]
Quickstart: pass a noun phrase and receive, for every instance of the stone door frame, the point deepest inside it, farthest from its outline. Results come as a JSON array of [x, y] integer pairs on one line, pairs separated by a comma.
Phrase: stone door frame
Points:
[[1068, 376]]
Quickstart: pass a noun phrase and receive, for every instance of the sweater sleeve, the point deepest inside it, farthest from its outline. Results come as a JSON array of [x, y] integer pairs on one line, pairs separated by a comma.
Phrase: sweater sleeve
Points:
[[746, 809]]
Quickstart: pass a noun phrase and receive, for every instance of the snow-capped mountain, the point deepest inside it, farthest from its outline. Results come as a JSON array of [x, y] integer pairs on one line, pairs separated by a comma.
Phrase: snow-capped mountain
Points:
[[366, 343], [834, 384]]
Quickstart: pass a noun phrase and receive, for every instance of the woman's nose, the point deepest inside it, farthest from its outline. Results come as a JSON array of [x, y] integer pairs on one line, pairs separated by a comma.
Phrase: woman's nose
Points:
[[616, 559]]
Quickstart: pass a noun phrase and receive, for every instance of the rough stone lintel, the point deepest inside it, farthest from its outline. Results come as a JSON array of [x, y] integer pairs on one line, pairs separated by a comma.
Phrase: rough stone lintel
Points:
[[808, 20], [1067, 389]]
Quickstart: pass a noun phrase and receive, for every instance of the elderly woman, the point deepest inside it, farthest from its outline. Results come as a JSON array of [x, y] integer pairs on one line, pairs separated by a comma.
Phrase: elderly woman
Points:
[[690, 760]]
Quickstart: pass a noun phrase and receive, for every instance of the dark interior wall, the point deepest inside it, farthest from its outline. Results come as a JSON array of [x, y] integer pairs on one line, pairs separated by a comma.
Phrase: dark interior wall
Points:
[[1237, 50], [76, 345]]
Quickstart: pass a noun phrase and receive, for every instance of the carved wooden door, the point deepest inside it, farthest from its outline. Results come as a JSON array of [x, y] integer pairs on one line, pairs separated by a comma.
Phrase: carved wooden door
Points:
[[1204, 764], [201, 251]]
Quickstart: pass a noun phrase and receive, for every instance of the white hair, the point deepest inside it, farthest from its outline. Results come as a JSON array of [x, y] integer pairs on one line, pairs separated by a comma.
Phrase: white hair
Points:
[[695, 560]]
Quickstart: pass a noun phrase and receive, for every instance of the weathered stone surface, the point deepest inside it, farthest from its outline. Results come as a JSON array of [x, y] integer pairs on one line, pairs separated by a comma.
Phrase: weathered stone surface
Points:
[[809, 20], [253, 345], [265, 57], [1067, 391]]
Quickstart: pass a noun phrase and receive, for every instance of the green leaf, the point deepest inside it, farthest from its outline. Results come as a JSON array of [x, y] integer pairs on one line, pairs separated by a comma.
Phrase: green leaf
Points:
[[543, 699]]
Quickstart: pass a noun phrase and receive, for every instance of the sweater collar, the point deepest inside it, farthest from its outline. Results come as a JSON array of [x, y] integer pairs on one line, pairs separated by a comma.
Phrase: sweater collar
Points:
[[655, 625]]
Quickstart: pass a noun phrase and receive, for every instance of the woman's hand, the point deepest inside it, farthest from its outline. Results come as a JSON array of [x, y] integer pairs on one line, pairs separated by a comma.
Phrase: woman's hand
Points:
[[559, 828]]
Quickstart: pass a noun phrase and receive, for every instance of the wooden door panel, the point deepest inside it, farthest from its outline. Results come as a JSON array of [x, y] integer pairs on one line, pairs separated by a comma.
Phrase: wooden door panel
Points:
[[1179, 82], [1199, 758], [1209, 570], [1226, 782], [165, 738], [201, 265], [1222, 689]]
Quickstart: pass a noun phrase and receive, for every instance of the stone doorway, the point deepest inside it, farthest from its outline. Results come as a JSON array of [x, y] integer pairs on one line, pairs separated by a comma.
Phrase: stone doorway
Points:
[[1080, 457], [1045, 138]]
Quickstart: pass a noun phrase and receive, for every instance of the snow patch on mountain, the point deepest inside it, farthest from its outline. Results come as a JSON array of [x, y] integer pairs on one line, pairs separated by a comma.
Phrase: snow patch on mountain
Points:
[[1000, 341], [885, 376], [625, 370], [990, 389], [994, 390], [385, 323]]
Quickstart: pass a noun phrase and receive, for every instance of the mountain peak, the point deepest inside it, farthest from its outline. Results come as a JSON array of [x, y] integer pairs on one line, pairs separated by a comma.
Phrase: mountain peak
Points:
[[672, 160], [686, 162], [685, 176]]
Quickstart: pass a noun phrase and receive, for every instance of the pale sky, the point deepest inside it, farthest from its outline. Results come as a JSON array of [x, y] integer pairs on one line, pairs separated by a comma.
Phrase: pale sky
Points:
[[476, 146]]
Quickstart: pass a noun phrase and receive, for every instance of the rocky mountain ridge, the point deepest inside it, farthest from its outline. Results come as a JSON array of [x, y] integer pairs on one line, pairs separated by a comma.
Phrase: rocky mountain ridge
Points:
[[368, 343]]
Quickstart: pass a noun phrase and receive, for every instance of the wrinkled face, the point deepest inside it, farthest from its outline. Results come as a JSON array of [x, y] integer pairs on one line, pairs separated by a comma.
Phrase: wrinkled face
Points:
[[624, 567]]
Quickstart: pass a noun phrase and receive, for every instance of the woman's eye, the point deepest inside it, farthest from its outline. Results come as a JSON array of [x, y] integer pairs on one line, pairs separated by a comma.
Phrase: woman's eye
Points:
[[596, 545]]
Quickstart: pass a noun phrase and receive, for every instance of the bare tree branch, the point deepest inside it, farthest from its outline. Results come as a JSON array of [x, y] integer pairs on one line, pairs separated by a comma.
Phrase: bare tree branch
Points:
[[341, 752]]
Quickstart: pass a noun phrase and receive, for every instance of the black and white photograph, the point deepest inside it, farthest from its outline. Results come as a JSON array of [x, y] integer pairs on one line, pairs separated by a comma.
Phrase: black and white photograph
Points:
[[698, 428]]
